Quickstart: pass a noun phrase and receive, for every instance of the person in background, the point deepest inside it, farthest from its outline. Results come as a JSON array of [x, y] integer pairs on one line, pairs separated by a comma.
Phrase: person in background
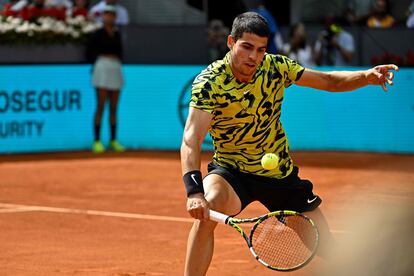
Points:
[[105, 50], [356, 12], [298, 48], [380, 16], [275, 41], [217, 39], [335, 46], [122, 17], [410, 19]]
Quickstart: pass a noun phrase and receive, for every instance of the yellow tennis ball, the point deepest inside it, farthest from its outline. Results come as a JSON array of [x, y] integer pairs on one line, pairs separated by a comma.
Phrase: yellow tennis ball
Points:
[[270, 161]]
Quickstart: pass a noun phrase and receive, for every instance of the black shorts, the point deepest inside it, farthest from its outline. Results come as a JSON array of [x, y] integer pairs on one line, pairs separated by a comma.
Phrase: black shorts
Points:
[[289, 193]]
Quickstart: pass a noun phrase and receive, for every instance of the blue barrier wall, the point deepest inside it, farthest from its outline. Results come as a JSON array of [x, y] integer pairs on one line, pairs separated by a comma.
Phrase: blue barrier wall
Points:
[[50, 108]]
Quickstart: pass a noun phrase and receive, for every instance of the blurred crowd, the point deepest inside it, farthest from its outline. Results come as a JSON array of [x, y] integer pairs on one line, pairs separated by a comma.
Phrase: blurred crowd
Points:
[[333, 46], [62, 9]]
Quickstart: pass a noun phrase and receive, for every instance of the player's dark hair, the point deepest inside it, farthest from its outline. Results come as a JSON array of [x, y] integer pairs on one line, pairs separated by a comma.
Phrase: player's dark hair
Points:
[[249, 22]]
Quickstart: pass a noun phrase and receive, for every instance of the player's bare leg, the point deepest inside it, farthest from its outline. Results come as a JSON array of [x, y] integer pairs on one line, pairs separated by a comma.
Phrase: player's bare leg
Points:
[[221, 197], [326, 239]]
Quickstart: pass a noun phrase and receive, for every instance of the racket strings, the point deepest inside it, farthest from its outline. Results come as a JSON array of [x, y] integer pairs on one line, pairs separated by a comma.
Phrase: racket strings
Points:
[[284, 241]]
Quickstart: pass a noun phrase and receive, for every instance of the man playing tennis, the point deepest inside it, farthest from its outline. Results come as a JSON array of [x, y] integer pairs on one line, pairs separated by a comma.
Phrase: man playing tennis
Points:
[[238, 100]]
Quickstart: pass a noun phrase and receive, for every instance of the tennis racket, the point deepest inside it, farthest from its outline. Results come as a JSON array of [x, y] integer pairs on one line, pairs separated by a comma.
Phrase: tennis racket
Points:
[[281, 240]]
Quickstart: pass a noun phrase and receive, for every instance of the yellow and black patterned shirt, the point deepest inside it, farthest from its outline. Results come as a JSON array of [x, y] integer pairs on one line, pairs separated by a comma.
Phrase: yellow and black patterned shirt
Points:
[[246, 116]]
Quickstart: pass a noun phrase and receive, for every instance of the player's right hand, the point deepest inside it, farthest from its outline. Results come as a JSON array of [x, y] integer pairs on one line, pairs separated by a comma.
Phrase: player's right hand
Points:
[[197, 206]]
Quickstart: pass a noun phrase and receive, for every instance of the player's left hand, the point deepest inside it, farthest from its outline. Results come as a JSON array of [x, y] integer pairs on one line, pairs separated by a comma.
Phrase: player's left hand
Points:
[[381, 75]]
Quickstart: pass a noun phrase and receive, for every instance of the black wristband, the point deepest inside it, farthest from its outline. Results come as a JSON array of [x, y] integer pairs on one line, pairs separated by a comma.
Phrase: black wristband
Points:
[[193, 182]]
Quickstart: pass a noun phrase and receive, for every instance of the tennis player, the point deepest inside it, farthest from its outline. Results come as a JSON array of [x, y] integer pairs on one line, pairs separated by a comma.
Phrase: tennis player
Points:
[[238, 100]]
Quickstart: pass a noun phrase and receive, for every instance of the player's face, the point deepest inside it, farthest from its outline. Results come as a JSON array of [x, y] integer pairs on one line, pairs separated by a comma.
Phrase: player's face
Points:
[[246, 54]]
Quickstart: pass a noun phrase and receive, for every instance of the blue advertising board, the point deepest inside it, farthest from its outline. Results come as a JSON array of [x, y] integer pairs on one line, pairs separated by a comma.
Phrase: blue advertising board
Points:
[[51, 108]]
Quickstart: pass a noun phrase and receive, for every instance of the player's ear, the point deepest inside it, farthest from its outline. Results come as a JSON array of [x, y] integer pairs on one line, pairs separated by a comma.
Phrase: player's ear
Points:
[[230, 42]]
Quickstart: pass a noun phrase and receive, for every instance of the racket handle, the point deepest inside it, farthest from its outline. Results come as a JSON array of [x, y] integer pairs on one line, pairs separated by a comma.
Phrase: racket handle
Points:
[[219, 217]]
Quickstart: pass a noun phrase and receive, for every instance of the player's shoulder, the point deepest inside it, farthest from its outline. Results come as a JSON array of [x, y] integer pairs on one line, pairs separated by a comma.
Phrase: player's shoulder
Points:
[[213, 74], [276, 60]]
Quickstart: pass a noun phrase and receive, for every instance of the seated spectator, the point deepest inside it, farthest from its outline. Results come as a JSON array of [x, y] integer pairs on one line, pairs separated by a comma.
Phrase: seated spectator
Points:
[[122, 17], [80, 8], [217, 39], [356, 12], [380, 16], [335, 46], [410, 19], [298, 48]]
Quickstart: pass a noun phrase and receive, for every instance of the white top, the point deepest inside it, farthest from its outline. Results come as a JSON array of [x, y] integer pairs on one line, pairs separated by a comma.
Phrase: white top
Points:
[[410, 21], [304, 56], [122, 17], [346, 41], [19, 5]]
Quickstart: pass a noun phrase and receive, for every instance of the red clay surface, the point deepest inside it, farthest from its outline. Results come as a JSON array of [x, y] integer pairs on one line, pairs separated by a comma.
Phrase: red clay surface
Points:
[[57, 243]]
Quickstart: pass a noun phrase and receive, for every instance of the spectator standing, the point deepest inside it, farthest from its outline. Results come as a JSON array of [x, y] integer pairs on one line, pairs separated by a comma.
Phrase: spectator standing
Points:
[[380, 16], [122, 17], [298, 47], [105, 50], [335, 46]]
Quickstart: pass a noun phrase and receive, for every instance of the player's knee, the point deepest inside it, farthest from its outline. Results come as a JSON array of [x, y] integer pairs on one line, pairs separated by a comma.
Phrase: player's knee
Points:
[[219, 195]]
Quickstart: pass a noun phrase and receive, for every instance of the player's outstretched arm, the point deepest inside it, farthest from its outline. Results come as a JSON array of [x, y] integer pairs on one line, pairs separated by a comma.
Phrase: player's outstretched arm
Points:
[[198, 123], [341, 81]]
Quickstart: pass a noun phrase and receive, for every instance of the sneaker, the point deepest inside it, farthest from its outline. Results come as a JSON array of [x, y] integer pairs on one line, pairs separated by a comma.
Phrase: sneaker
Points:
[[116, 146], [98, 147]]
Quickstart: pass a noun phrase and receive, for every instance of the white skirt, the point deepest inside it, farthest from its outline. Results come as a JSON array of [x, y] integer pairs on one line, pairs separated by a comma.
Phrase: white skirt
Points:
[[107, 73]]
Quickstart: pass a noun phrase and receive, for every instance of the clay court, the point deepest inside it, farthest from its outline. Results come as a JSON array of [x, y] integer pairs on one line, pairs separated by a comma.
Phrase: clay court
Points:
[[124, 214]]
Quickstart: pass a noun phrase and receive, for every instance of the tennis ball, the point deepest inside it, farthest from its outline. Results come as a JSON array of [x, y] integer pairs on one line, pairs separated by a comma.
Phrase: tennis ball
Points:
[[270, 161]]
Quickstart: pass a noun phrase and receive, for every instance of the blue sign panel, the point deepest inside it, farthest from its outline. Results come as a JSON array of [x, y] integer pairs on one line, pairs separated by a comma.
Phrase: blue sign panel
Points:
[[51, 108], [366, 119]]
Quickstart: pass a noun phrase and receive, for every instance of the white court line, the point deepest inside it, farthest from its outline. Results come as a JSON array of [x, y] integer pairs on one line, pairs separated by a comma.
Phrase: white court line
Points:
[[14, 208], [28, 208]]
